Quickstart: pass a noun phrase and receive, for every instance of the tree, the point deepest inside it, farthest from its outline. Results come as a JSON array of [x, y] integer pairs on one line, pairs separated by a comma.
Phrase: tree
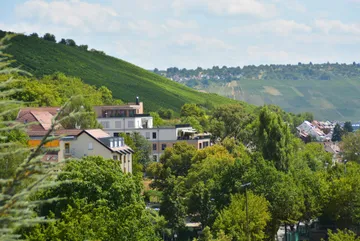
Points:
[[106, 95], [348, 127], [178, 158], [172, 205], [70, 42], [315, 156], [31, 175], [191, 110], [207, 236], [232, 220], [343, 235], [157, 121], [343, 206], [87, 119], [350, 146], [49, 37], [274, 139], [194, 122], [142, 149], [337, 133], [166, 113], [35, 35], [62, 41], [232, 121], [83, 47], [97, 201]]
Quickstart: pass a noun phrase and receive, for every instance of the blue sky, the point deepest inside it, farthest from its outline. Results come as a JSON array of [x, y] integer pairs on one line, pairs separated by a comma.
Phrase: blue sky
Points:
[[192, 33]]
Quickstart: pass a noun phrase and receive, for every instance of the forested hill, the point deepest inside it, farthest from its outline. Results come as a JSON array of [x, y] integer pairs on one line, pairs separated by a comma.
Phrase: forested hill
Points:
[[125, 80], [329, 90]]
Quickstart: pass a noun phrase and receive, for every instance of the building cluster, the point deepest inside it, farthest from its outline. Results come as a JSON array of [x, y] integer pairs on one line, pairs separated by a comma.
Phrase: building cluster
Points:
[[107, 142], [320, 131], [317, 130]]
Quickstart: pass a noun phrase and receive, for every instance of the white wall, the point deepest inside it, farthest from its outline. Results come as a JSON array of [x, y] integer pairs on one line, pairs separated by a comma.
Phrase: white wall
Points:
[[130, 123], [79, 148]]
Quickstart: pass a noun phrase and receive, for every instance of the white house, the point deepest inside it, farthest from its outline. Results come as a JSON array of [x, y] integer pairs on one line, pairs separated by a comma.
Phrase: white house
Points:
[[96, 142]]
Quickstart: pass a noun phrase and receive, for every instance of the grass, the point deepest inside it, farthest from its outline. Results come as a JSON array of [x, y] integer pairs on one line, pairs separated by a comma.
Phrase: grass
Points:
[[125, 80]]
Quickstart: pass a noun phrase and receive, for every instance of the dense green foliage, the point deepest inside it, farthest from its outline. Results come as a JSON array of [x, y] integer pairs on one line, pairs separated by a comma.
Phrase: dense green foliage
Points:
[[327, 90], [125, 80], [295, 181], [345, 235], [98, 202]]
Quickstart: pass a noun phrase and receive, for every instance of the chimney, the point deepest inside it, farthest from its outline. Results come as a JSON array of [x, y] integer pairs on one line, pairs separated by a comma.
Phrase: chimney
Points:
[[137, 100]]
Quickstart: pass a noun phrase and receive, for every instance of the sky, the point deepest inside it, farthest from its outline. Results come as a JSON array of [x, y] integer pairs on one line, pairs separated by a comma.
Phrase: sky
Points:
[[191, 33]]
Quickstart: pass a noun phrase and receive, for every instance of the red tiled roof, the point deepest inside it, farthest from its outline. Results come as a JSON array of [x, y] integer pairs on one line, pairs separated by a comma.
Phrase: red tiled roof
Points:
[[42, 115], [51, 110], [44, 118]]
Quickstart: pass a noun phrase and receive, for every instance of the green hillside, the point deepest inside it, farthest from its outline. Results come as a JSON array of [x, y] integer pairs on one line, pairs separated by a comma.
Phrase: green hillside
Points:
[[125, 80], [331, 91]]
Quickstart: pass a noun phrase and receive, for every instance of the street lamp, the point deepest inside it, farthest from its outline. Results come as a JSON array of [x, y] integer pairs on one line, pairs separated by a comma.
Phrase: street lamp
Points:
[[175, 236], [345, 161], [246, 206]]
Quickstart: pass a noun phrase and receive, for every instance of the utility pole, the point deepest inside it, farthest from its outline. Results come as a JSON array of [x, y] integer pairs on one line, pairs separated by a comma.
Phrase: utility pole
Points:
[[246, 208]]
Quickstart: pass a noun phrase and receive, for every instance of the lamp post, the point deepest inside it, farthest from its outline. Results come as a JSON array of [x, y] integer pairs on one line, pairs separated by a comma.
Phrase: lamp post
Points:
[[246, 207], [345, 161]]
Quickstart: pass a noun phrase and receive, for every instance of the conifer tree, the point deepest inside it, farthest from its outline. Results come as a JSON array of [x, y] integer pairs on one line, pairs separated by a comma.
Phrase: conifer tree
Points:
[[16, 209]]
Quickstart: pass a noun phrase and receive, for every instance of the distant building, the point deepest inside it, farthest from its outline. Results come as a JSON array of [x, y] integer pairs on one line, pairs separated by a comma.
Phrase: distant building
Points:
[[308, 130], [130, 118]]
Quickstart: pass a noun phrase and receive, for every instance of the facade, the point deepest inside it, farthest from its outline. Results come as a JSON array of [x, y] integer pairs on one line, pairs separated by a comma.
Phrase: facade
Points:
[[130, 118], [96, 142], [74, 143]]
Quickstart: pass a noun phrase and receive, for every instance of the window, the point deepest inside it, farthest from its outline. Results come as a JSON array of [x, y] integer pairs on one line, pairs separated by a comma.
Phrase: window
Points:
[[105, 124], [111, 143], [147, 135], [199, 145], [154, 147], [155, 158], [131, 124], [131, 113], [115, 157], [116, 134], [206, 144], [163, 146], [117, 124], [67, 148], [90, 146], [154, 135]]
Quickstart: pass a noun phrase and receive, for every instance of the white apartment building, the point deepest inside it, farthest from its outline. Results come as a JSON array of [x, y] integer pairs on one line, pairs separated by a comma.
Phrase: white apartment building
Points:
[[130, 118]]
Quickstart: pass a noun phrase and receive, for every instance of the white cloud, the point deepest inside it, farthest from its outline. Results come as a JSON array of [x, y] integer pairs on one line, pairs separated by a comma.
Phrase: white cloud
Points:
[[177, 24], [202, 43], [336, 26], [74, 14], [266, 54], [145, 27], [282, 27], [292, 5], [229, 7], [28, 28]]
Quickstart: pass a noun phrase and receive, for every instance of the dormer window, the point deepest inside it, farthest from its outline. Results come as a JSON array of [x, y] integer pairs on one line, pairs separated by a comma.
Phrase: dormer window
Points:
[[111, 143]]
